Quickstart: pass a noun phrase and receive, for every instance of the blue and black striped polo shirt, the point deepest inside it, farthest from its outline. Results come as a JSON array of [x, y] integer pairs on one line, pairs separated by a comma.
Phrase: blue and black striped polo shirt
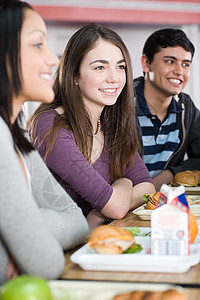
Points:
[[160, 140]]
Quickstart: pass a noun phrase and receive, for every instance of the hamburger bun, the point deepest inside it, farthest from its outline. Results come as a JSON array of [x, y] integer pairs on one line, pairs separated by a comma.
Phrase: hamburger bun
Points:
[[108, 239], [153, 200], [197, 173], [186, 178]]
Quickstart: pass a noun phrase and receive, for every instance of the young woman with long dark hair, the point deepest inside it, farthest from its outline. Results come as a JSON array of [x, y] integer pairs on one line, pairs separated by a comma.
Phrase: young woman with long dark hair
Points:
[[87, 135]]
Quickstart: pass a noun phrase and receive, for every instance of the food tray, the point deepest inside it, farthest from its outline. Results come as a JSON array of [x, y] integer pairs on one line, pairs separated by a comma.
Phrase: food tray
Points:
[[195, 209], [192, 190], [143, 261], [145, 214], [98, 290]]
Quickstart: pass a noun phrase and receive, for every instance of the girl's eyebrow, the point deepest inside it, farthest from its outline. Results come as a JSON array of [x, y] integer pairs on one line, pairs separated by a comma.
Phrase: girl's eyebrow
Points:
[[103, 61], [121, 61], [37, 30]]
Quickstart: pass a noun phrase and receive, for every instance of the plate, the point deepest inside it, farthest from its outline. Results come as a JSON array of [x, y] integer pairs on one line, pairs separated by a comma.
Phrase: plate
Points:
[[194, 197], [143, 213], [97, 290], [140, 231], [195, 209], [143, 261]]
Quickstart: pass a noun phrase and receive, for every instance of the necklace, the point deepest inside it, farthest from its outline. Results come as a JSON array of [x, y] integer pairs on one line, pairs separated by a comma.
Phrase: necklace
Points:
[[98, 127]]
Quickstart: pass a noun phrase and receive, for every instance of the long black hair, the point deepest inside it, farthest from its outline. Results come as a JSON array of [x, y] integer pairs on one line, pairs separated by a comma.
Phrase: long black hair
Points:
[[11, 20]]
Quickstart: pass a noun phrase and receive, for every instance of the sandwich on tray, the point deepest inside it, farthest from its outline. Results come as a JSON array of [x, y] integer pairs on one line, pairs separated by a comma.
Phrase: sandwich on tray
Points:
[[108, 239], [151, 200]]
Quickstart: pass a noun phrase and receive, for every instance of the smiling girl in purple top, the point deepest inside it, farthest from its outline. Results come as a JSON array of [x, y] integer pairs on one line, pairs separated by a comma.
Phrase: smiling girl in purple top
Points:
[[87, 135]]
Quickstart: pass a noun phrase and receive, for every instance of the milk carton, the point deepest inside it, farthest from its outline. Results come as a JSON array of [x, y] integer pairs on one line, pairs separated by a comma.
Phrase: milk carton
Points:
[[169, 223]]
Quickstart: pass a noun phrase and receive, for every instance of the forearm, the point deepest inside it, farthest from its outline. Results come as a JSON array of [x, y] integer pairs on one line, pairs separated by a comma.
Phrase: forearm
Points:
[[164, 177], [139, 191], [120, 200]]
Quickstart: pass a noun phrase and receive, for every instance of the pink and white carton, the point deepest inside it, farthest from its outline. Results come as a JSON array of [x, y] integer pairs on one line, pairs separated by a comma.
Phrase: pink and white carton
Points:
[[170, 223]]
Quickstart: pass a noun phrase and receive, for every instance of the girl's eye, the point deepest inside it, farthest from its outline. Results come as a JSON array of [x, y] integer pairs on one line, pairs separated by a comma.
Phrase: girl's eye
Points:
[[38, 45], [121, 67], [99, 68]]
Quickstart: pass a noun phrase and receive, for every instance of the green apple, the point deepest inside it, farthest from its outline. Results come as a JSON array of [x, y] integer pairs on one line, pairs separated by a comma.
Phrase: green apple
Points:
[[26, 287]]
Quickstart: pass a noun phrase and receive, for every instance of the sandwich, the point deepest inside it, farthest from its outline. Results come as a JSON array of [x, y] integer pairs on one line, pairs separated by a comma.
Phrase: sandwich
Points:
[[151, 200], [108, 239], [197, 173], [187, 178]]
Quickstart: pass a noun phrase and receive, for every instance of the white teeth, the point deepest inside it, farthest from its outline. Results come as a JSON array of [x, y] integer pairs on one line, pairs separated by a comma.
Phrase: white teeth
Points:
[[175, 81], [108, 90], [46, 76]]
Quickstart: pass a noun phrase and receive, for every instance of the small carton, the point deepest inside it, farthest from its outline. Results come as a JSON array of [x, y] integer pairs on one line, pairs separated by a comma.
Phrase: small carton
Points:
[[170, 223]]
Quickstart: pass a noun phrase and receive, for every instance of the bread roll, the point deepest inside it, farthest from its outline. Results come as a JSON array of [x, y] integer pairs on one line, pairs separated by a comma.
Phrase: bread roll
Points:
[[108, 239], [197, 173], [186, 178]]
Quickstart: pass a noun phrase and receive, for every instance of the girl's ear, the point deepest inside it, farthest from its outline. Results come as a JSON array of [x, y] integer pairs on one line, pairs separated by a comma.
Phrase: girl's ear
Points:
[[145, 64]]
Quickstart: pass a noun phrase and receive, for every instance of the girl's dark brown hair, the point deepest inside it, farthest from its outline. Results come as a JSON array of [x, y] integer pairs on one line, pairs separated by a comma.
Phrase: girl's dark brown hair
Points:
[[11, 21], [118, 121]]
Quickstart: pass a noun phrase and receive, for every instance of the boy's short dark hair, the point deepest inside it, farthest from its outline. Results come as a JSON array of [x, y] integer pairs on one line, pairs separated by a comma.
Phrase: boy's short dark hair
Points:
[[164, 38]]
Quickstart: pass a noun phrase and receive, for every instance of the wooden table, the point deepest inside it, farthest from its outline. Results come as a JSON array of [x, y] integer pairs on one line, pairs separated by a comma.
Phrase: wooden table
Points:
[[73, 271]]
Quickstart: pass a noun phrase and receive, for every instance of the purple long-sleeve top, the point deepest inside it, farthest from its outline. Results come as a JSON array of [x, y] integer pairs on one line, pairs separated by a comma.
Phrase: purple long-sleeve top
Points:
[[88, 185]]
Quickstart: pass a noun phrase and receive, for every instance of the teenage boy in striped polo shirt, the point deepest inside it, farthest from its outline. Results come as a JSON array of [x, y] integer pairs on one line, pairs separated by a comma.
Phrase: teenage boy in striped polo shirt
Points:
[[169, 120]]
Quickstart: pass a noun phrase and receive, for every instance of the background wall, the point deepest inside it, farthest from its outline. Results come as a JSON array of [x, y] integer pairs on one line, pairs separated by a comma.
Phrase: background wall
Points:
[[134, 21]]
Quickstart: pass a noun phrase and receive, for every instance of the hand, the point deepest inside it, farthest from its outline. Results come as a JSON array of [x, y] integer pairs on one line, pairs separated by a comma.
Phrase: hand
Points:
[[138, 192], [95, 219], [12, 270]]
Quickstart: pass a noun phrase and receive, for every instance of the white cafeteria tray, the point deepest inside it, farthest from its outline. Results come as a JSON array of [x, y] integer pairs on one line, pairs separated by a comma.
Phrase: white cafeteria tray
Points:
[[145, 214], [143, 261], [98, 290]]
